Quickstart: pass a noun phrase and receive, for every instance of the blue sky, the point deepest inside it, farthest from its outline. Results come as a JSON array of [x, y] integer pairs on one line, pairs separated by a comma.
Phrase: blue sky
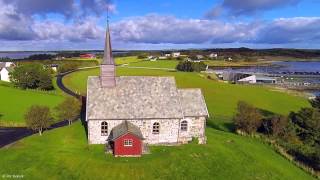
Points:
[[161, 24]]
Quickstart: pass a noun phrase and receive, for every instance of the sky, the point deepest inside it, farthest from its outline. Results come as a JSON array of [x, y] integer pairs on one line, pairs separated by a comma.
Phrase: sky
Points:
[[33, 25]]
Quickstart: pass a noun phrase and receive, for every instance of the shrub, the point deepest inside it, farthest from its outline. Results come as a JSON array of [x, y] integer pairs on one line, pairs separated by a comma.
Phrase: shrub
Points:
[[316, 102], [38, 118], [189, 66], [248, 118]]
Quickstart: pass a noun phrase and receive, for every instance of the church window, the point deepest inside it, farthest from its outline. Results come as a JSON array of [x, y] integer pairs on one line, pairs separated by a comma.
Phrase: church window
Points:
[[104, 129], [184, 125], [127, 142], [156, 128]]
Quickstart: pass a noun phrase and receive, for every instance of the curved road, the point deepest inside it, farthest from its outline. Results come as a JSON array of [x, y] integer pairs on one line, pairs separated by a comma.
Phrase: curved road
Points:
[[9, 135]]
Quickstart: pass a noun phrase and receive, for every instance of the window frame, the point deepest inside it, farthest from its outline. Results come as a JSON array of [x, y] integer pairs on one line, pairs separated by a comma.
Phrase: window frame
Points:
[[184, 126], [127, 142], [104, 128], [156, 128]]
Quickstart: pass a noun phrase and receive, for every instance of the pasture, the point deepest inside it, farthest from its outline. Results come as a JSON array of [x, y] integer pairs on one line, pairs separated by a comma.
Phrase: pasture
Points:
[[15, 102], [64, 154]]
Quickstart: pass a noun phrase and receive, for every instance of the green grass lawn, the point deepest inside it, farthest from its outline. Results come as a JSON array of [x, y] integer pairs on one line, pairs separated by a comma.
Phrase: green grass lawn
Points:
[[15, 102], [221, 98], [64, 154], [170, 64], [127, 60]]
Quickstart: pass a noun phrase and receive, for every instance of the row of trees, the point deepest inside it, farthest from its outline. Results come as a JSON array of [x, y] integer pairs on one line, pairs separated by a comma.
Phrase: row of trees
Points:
[[298, 133], [189, 66], [39, 118], [32, 76]]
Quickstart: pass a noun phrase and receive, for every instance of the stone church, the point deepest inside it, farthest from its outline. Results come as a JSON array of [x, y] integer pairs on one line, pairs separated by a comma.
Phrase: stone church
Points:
[[129, 112]]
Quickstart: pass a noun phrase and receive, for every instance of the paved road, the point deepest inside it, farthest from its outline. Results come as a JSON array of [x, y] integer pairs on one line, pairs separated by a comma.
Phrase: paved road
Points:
[[9, 135]]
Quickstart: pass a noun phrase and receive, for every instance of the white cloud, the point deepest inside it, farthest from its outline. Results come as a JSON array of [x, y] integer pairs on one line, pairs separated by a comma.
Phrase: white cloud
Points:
[[157, 29]]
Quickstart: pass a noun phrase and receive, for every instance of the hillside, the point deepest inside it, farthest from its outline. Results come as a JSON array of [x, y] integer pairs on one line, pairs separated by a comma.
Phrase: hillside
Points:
[[64, 154], [15, 102]]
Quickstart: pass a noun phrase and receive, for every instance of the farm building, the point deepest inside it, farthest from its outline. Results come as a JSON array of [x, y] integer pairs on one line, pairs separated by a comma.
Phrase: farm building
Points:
[[176, 54], [128, 113], [253, 79], [87, 56]]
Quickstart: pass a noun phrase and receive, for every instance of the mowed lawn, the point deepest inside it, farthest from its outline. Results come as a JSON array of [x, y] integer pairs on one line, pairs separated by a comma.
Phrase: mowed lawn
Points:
[[127, 60], [15, 102], [64, 154], [169, 64], [221, 98]]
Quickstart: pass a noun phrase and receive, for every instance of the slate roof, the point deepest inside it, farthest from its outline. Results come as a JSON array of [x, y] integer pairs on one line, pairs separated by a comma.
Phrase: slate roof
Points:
[[193, 103], [141, 97], [124, 128]]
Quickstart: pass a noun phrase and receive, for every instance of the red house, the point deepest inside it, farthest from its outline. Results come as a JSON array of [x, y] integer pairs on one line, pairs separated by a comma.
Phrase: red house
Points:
[[126, 140], [87, 56]]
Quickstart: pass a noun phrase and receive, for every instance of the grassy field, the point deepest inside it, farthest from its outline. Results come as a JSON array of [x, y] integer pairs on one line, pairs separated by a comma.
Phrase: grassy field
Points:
[[64, 154], [170, 64], [221, 98], [222, 63], [15, 102], [127, 60]]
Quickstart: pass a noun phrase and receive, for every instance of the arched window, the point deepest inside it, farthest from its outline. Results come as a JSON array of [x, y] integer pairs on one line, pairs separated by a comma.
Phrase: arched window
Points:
[[184, 125], [156, 128], [104, 129]]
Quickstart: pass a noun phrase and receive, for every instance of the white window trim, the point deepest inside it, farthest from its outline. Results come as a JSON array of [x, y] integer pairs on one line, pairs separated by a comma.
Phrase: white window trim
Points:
[[128, 143]]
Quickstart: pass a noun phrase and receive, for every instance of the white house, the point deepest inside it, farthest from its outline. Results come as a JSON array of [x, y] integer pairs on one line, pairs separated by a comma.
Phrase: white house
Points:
[[4, 74], [213, 55], [167, 55], [176, 54], [199, 57], [10, 64]]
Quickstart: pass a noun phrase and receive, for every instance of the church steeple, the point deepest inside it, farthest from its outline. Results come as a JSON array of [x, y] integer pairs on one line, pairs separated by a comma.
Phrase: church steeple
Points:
[[107, 74]]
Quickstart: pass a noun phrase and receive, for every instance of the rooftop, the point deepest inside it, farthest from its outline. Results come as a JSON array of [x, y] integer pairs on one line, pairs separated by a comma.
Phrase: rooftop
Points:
[[143, 97]]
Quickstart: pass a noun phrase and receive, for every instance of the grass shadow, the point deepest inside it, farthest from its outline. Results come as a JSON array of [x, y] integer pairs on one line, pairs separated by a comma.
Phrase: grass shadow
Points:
[[83, 114], [226, 126]]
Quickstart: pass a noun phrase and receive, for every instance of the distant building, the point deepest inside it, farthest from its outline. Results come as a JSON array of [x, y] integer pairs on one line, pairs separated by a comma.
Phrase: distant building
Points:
[[167, 55], [176, 54], [87, 56], [200, 57], [213, 55], [253, 79], [4, 73]]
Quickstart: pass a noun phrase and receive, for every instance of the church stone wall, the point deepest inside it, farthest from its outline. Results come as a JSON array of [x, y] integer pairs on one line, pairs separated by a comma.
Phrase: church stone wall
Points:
[[196, 128], [170, 132]]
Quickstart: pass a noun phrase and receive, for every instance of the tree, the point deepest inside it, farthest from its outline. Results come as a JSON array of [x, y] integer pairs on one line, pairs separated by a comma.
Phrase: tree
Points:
[[31, 76], [69, 109], [189, 66], [38, 118], [279, 125], [316, 102], [68, 66], [185, 66], [307, 124], [248, 118]]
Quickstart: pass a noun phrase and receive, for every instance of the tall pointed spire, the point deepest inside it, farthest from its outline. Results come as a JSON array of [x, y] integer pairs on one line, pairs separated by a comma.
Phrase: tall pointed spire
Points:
[[108, 58], [107, 74]]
